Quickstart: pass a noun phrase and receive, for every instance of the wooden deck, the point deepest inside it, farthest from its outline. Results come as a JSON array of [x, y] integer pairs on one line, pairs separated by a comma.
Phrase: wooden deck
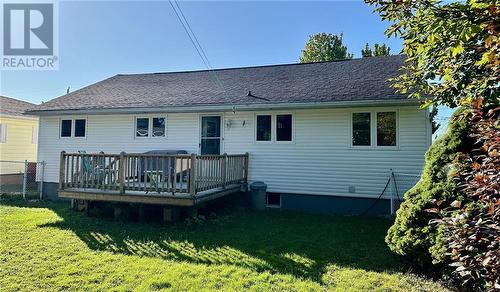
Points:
[[180, 180]]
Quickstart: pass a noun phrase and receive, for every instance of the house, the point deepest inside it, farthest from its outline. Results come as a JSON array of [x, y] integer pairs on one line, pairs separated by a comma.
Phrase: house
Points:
[[18, 138], [322, 136]]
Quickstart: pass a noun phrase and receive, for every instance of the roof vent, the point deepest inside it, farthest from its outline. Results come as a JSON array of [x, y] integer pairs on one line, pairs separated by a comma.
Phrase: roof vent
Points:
[[249, 94]]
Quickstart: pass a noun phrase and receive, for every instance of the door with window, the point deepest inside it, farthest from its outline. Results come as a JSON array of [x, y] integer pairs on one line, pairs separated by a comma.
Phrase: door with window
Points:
[[210, 142]]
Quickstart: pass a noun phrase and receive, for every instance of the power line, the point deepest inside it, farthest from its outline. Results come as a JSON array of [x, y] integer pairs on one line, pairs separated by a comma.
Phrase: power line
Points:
[[194, 35], [188, 34], [199, 49]]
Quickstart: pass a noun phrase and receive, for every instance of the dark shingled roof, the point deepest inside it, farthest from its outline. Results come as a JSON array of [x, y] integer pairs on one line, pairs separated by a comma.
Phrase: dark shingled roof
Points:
[[362, 79], [14, 107]]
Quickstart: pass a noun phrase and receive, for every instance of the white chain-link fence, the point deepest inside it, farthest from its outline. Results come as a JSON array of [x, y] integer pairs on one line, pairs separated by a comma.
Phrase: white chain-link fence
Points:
[[22, 178]]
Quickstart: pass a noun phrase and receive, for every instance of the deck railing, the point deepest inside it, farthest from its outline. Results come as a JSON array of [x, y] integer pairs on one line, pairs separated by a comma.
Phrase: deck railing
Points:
[[151, 173]]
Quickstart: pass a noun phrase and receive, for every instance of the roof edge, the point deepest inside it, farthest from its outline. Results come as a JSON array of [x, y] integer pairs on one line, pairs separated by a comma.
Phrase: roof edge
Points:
[[22, 117], [227, 107], [258, 66]]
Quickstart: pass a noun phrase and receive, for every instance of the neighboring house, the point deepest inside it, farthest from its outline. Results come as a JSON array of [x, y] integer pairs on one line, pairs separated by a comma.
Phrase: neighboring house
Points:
[[322, 136], [18, 136]]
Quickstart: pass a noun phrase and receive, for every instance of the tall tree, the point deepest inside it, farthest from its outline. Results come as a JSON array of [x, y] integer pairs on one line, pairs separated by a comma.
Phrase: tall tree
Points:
[[378, 50], [433, 115], [367, 51], [453, 49], [324, 47]]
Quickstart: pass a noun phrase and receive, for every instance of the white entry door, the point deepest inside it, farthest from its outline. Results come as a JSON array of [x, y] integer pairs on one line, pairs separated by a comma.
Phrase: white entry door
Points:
[[210, 140]]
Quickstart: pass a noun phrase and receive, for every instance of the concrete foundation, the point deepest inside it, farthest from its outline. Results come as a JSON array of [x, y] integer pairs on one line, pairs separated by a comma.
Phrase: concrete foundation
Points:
[[296, 202]]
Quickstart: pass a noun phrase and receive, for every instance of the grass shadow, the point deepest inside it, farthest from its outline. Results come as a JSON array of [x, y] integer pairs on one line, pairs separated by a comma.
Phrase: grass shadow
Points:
[[279, 242]]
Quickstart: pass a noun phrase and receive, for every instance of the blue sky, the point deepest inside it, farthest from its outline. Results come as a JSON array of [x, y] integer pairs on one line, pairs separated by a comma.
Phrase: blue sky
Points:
[[101, 39]]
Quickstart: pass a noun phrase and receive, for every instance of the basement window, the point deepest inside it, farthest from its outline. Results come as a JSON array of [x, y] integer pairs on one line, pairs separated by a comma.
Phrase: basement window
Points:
[[273, 200]]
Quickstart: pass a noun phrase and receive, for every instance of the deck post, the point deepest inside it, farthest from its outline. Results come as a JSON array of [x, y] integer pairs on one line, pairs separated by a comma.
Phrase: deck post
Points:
[[121, 175], [192, 176], [245, 168], [224, 170], [61, 170]]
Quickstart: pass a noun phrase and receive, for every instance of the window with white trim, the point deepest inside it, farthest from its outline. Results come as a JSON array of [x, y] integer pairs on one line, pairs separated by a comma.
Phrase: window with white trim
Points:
[[142, 127], [66, 126], [367, 132], [273, 200], [150, 127], [386, 129], [3, 133], [274, 128], [76, 128], [158, 127], [80, 127], [34, 135], [263, 128], [284, 127], [361, 129]]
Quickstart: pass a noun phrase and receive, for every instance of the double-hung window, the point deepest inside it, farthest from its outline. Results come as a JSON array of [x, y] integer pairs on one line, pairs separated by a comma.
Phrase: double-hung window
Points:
[[374, 129], [150, 127]]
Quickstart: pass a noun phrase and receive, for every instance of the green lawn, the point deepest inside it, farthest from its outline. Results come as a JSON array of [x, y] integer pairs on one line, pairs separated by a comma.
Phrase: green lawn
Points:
[[46, 246]]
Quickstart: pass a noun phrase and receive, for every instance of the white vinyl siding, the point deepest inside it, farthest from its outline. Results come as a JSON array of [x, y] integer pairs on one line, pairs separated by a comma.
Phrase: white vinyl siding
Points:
[[320, 161]]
